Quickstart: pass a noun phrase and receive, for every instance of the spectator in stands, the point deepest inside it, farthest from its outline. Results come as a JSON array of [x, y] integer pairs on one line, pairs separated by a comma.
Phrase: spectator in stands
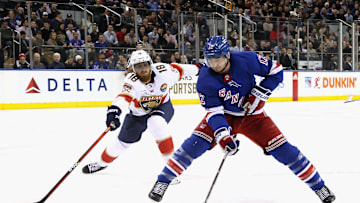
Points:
[[142, 32], [288, 61], [70, 32], [55, 23], [43, 19], [53, 11], [56, 64], [25, 44], [76, 42], [347, 63], [25, 28], [69, 63], [177, 57], [37, 61], [106, 20], [125, 44], [347, 48], [174, 28], [38, 42], [157, 59], [176, 13], [173, 59], [161, 41], [12, 21], [94, 33], [45, 31], [121, 34], [332, 64], [101, 63], [6, 34], [348, 17], [110, 36], [101, 45], [69, 20], [153, 5], [21, 62], [34, 28], [132, 36], [121, 62], [275, 34], [79, 62], [153, 34], [52, 39], [139, 45], [146, 45]]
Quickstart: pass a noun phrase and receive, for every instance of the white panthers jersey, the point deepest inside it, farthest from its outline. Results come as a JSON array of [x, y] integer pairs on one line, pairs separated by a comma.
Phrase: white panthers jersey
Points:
[[141, 97]]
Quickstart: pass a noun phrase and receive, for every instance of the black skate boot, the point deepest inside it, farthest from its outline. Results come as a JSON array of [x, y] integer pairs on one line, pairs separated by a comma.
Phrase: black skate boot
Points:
[[158, 191], [92, 168], [325, 195]]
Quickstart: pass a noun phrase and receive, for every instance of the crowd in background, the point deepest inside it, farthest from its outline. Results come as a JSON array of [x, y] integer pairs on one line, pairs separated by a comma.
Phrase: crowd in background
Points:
[[58, 39]]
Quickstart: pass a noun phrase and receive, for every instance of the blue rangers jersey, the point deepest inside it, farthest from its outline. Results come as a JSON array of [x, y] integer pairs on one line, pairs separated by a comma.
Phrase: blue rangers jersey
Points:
[[225, 93]]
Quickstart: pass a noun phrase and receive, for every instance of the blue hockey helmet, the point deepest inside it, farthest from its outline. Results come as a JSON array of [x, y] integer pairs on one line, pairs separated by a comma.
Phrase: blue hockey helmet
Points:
[[216, 47]]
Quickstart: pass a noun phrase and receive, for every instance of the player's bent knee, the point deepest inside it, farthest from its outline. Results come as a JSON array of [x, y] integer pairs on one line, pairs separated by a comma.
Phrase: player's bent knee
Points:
[[195, 146], [285, 153], [158, 127]]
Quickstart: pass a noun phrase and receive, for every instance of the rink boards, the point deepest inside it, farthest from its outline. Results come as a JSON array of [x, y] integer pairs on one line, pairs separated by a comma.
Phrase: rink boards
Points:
[[26, 89]]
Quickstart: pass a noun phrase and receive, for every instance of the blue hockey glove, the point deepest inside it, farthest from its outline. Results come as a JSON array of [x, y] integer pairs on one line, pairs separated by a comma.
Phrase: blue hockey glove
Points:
[[113, 117], [255, 101], [228, 143]]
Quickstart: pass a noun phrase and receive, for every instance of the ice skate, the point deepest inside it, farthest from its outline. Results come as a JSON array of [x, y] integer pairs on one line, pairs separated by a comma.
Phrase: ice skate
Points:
[[158, 191], [175, 181], [325, 195], [92, 168]]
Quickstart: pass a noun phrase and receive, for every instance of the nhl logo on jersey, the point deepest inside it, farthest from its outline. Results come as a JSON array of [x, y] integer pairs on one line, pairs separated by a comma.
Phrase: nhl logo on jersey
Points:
[[163, 87], [149, 102], [227, 77]]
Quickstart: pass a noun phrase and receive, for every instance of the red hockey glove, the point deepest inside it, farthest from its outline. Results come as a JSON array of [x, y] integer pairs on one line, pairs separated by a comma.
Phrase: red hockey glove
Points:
[[227, 142], [255, 101]]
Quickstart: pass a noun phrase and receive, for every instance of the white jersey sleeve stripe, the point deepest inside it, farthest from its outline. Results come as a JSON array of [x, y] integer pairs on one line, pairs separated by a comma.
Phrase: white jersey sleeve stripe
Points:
[[214, 111], [275, 68]]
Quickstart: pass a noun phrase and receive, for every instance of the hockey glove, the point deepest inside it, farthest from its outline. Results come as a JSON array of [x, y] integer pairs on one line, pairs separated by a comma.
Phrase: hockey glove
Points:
[[113, 117], [255, 101], [227, 142]]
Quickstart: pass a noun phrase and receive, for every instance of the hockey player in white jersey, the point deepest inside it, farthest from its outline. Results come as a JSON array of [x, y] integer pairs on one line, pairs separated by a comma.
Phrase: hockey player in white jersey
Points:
[[146, 93]]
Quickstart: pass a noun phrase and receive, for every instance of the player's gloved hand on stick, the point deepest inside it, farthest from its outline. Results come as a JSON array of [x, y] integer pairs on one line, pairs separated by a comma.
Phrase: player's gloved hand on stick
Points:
[[113, 117], [228, 143], [255, 101]]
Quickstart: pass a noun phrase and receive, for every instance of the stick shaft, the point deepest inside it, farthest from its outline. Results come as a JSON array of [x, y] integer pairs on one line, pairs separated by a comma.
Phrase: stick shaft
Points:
[[74, 166], [216, 176]]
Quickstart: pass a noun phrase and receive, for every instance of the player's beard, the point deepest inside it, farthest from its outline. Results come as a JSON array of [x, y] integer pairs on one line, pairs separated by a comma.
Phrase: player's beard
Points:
[[144, 77]]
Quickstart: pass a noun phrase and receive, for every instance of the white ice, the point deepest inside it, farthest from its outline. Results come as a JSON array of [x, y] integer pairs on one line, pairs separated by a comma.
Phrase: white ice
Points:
[[37, 147]]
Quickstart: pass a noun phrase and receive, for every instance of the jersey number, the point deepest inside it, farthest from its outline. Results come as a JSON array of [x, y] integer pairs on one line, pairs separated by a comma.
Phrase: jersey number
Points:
[[133, 77], [160, 68]]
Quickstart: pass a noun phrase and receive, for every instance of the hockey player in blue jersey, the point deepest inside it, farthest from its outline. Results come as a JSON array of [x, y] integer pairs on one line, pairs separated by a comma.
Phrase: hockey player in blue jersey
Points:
[[234, 105]]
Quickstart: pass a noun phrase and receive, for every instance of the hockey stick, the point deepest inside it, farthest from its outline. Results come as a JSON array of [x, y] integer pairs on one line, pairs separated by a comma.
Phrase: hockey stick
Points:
[[74, 166], [349, 99], [216, 176]]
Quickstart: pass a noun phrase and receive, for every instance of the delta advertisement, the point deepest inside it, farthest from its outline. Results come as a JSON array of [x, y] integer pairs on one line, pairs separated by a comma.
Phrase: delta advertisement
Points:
[[21, 89]]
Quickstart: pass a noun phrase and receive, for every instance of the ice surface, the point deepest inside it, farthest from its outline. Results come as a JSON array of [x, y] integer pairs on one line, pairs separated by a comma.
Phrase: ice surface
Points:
[[37, 147]]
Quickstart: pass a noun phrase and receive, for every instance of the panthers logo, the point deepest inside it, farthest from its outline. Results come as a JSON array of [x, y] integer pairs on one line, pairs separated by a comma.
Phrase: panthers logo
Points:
[[148, 103]]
